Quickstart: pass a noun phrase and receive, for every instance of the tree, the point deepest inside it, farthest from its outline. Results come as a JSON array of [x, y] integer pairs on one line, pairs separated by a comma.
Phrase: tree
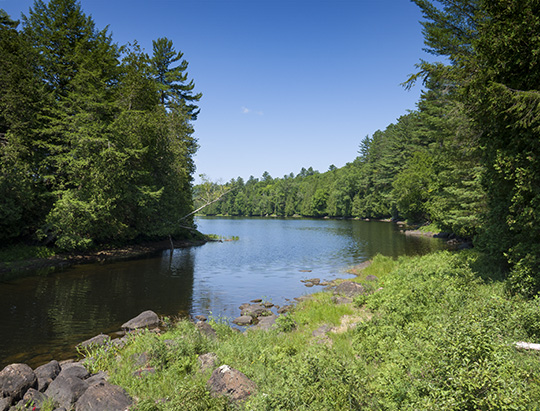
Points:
[[493, 53], [172, 81]]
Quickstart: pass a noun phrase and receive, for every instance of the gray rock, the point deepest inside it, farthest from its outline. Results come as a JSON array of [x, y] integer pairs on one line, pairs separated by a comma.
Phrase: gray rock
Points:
[[322, 330], [32, 399], [104, 396], [232, 383], [265, 323], [371, 278], [256, 310], [46, 373], [75, 369], [65, 391], [207, 361], [206, 329], [349, 289], [257, 300], [5, 403], [146, 319], [201, 317], [284, 309], [140, 359], [243, 320], [96, 341], [15, 380], [97, 378], [339, 299]]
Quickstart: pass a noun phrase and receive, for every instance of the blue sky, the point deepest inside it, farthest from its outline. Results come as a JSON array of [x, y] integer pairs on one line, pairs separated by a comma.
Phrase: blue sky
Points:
[[286, 83]]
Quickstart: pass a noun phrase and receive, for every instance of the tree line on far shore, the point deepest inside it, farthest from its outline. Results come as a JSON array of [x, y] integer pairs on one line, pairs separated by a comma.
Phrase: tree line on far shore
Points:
[[467, 159], [96, 139]]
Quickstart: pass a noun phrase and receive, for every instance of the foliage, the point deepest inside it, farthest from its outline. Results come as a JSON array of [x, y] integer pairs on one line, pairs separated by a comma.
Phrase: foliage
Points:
[[92, 150], [437, 336]]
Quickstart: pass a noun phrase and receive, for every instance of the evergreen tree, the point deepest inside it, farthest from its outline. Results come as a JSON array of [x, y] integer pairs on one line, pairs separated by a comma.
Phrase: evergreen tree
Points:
[[172, 81]]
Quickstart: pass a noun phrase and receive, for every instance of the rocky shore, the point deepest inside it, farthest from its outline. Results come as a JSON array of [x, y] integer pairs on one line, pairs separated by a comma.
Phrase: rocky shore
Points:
[[68, 385]]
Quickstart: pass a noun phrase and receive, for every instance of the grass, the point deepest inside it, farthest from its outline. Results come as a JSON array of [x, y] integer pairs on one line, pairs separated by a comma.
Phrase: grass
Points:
[[438, 336], [21, 252]]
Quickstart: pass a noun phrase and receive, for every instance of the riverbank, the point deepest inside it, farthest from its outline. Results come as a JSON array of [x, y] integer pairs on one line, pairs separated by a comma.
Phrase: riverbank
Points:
[[440, 327], [108, 254]]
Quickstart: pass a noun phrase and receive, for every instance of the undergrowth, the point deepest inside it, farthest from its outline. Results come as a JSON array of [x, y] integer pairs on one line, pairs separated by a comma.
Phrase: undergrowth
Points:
[[439, 335]]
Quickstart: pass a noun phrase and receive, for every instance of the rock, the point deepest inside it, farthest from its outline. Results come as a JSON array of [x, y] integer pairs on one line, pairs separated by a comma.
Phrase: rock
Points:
[[267, 304], [46, 373], [65, 391], [15, 380], [206, 329], [140, 359], [339, 299], [32, 399], [257, 300], [232, 383], [349, 289], [284, 309], [322, 330], [243, 320], [201, 317], [5, 403], [265, 323], [75, 369], [256, 310], [371, 278], [244, 306], [308, 284], [96, 341], [207, 361], [104, 396], [146, 319], [97, 378]]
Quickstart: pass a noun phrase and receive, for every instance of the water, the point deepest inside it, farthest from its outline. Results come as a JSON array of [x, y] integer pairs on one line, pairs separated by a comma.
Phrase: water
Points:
[[44, 316]]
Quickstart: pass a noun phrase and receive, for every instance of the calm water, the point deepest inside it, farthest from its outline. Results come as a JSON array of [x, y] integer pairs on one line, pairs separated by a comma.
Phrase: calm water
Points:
[[44, 316]]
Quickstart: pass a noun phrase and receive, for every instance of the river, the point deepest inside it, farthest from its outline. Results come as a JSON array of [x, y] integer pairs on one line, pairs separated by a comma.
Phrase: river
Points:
[[45, 316]]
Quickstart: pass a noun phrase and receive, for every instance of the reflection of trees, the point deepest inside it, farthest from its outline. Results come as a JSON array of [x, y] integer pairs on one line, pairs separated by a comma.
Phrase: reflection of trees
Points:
[[86, 300]]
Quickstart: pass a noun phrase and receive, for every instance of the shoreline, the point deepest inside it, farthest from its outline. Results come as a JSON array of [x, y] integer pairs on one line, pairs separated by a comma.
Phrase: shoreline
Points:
[[104, 255]]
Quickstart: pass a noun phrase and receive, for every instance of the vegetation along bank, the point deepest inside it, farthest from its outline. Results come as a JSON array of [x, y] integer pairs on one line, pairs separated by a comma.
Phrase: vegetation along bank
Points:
[[434, 332]]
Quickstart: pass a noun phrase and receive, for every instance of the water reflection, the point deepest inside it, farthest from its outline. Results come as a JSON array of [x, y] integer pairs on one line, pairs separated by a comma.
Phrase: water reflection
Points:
[[45, 316]]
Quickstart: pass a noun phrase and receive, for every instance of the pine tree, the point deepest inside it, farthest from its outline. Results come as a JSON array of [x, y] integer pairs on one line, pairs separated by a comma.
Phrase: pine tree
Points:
[[173, 84]]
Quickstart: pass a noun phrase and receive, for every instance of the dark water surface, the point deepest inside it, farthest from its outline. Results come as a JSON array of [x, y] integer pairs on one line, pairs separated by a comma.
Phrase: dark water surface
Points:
[[42, 317]]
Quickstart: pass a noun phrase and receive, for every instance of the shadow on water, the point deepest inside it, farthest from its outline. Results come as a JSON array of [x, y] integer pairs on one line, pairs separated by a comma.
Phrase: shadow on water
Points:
[[44, 316]]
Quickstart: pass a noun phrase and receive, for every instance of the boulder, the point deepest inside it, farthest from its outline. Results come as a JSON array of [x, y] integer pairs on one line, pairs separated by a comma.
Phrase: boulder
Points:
[[232, 383], [206, 329], [207, 361], [339, 299], [97, 378], [265, 323], [46, 373], [5, 403], [104, 396], [256, 310], [15, 380], [65, 391], [146, 319], [74, 369], [96, 341], [32, 400], [200, 317], [349, 289], [284, 309], [243, 320]]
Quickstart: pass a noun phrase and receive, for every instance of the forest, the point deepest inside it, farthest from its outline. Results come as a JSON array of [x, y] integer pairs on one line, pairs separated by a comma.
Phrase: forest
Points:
[[465, 160], [96, 139]]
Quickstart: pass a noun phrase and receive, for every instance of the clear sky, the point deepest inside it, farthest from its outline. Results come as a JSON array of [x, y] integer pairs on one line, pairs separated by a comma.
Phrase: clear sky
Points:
[[286, 83]]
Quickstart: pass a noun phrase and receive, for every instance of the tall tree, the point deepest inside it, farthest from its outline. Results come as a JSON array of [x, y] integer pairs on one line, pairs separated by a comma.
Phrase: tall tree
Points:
[[173, 81]]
